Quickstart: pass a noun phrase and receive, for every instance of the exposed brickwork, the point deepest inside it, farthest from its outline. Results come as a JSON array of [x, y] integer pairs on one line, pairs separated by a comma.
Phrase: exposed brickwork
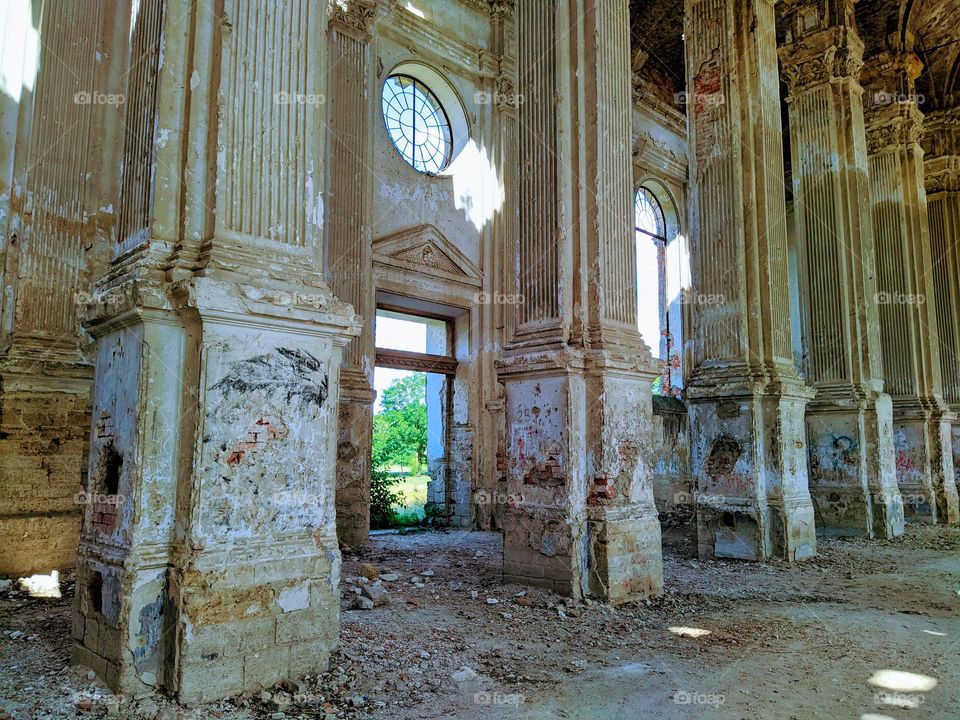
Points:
[[43, 439]]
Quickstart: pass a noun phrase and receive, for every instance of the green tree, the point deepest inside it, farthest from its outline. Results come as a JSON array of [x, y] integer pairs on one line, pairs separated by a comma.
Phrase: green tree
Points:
[[400, 428]]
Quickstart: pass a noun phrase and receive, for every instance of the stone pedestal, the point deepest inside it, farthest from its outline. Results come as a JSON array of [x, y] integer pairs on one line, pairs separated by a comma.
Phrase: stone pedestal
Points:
[[906, 293], [849, 424], [746, 403]]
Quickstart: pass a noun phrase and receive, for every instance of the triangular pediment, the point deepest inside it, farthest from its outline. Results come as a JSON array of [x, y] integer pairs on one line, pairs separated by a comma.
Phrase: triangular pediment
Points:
[[424, 249]]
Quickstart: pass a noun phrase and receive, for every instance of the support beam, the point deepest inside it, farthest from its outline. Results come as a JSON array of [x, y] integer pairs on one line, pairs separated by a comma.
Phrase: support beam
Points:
[[746, 400], [576, 373], [906, 294], [218, 358], [853, 480]]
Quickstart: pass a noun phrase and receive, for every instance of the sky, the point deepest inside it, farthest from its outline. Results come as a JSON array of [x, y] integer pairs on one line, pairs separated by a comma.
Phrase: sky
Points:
[[396, 335]]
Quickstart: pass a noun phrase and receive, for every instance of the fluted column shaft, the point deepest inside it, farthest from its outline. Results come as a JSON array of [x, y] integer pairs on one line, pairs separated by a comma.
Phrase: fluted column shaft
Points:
[[746, 401], [850, 423], [905, 290]]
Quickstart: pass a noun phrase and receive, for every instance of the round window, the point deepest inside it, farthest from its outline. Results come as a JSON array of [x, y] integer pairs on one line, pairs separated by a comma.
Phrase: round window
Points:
[[417, 124]]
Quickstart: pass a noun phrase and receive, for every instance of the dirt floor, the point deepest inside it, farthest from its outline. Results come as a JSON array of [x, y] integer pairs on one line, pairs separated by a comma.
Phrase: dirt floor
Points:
[[867, 630]]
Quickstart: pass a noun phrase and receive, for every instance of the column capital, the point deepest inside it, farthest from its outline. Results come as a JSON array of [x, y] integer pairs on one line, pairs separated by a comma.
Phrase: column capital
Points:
[[942, 132], [890, 77], [825, 56], [354, 17], [893, 126], [501, 9], [942, 174]]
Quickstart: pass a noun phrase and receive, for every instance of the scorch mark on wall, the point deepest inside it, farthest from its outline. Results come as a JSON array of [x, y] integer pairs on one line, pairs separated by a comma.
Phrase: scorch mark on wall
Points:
[[296, 373]]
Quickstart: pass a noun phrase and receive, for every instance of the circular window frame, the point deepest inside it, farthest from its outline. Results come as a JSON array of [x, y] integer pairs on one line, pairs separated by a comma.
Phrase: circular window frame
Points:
[[450, 105]]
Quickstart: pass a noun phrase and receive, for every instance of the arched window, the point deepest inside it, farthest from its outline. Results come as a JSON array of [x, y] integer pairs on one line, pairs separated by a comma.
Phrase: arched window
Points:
[[660, 277], [417, 124]]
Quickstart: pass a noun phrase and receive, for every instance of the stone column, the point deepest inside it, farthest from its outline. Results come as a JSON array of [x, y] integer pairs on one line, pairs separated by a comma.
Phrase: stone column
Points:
[[942, 168], [746, 401], [214, 568], [581, 517], [54, 220], [853, 480], [906, 294], [352, 105]]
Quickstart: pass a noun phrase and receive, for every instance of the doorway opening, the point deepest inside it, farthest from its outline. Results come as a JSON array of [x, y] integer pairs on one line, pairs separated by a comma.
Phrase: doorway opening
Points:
[[409, 460]]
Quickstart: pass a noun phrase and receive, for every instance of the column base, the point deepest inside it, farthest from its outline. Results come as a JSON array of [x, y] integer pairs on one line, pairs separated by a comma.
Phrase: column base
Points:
[[749, 461], [580, 516], [217, 570], [255, 614], [625, 554], [852, 474], [924, 464]]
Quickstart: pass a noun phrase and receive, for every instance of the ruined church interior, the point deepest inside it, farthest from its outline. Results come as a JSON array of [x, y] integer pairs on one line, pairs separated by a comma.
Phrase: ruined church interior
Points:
[[479, 359]]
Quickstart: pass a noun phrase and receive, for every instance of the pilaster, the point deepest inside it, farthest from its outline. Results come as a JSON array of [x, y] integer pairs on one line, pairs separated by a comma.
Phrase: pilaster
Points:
[[906, 294], [746, 401], [576, 373], [850, 423], [351, 108], [942, 176], [214, 569]]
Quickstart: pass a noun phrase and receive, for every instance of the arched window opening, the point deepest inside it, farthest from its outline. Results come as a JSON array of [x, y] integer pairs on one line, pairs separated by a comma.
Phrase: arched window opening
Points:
[[661, 273]]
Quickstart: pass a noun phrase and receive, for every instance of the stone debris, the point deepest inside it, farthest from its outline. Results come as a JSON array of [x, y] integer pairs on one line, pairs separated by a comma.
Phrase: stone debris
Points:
[[377, 594]]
